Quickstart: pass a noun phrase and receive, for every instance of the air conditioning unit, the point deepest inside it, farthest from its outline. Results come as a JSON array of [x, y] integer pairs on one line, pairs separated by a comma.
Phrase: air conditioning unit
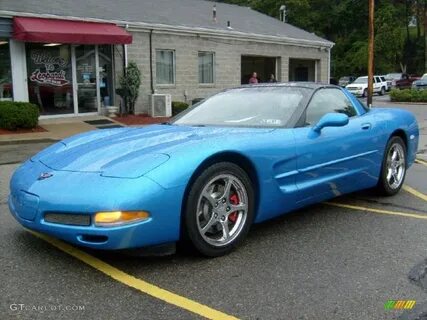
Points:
[[161, 105]]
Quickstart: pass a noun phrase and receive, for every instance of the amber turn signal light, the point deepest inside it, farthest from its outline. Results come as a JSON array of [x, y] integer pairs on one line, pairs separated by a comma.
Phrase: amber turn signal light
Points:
[[116, 218]]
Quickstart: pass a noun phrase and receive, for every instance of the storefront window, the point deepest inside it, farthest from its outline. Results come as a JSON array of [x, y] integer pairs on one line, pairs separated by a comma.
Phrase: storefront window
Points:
[[5, 71], [50, 83]]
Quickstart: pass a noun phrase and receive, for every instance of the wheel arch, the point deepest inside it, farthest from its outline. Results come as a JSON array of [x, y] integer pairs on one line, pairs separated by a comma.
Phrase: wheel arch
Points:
[[227, 156], [402, 134]]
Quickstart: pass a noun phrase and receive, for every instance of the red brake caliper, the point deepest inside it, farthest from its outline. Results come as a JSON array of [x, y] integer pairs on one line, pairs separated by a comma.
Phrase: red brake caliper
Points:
[[234, 199]]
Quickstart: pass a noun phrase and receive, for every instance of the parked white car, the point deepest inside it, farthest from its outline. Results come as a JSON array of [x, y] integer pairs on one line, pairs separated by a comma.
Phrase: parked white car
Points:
[[360, 86]]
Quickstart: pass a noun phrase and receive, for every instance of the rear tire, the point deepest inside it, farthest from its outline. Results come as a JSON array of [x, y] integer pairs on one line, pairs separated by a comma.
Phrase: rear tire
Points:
[[393, 169], [219, 209]]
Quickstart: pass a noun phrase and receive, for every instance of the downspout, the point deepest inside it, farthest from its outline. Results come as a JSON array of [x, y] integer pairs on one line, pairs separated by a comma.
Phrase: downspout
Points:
[[329, 65], [151, 61], [125, 64], [125, 52]]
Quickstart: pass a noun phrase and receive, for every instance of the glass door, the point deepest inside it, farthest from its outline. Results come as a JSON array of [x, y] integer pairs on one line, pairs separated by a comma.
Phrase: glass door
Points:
[[86, 78], [106, 83]]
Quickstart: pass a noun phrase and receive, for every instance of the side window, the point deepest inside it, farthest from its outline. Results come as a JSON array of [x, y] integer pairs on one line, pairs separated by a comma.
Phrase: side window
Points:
[[326, 101]]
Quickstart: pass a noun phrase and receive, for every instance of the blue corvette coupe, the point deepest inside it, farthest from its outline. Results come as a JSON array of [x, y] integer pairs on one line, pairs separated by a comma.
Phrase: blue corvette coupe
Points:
[[239, 157]]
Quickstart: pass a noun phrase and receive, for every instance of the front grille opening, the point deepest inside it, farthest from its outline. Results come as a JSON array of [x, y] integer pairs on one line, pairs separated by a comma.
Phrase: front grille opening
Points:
[[73, 219], [93, 239]]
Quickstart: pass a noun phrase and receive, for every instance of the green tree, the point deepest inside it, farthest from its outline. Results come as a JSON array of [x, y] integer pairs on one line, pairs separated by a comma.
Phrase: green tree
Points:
[[345, 22]]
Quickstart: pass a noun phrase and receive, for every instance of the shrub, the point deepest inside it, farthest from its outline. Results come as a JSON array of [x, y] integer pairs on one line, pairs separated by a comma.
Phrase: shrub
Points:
[[130, 83], [408, 95], [178, 106], [14, 115]]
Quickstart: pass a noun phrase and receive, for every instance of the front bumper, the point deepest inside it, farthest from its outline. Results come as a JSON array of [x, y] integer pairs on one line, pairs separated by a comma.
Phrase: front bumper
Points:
[[356, 92], [88, 193]]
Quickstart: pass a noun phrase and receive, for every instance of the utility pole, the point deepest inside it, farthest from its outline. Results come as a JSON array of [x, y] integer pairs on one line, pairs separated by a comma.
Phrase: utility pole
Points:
[[425, 35], [371, 52]]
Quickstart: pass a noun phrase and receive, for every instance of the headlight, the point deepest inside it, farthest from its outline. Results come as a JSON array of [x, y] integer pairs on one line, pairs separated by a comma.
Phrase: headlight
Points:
[[117, 218]]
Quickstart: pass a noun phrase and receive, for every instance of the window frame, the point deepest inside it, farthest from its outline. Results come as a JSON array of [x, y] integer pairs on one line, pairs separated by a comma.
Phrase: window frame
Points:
[[173, 68], [9, 69], [213, 68]]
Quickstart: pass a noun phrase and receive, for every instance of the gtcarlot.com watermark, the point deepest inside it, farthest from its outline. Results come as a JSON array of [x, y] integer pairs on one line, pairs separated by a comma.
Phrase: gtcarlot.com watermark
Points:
[[22, 307]]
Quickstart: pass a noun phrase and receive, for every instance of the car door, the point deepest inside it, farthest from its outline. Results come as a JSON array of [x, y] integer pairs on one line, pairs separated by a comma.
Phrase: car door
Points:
[[338, 159], [377, 84]]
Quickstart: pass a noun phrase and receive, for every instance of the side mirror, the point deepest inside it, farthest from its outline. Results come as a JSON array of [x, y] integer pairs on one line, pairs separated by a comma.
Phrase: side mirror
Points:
[[331, 120]]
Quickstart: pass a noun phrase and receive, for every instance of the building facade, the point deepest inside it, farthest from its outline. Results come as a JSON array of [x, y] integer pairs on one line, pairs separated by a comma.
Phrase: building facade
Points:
[[69, 62]]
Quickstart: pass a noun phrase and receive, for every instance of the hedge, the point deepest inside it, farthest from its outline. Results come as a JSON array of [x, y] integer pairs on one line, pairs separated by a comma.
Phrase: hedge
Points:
[[14, 115], [178, 106], [408, 95]]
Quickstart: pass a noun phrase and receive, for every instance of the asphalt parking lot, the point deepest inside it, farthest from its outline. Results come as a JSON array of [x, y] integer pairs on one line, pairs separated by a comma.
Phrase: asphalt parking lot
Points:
[[338, 260]]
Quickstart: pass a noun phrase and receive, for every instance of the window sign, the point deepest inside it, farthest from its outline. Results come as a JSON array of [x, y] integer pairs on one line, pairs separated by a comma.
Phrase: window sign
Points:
[[50, 69]]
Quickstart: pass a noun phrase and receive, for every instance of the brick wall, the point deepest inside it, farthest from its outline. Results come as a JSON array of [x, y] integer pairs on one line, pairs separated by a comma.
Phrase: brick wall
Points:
[[228, 54]]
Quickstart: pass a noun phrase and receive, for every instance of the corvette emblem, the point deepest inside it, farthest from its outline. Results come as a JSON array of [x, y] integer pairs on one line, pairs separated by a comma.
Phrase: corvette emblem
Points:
[[45, 175]]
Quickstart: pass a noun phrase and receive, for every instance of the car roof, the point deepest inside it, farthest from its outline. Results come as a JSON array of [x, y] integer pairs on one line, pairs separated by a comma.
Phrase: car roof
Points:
[[299, 84]]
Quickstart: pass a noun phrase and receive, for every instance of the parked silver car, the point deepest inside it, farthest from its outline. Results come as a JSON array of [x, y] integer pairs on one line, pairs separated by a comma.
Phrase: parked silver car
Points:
[[420, 84]]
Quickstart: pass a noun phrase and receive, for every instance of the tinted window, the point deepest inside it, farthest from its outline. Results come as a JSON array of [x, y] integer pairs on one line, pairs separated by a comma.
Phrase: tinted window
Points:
[[325, 101]]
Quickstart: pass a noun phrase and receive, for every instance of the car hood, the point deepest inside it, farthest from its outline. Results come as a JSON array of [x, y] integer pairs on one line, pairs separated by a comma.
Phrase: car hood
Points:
[[128, 152]]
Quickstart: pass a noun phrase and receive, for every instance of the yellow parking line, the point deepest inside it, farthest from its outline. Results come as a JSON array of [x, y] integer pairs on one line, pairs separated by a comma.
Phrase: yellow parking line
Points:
[[394, 213], [419, 161], [414, 192], [138, 284]]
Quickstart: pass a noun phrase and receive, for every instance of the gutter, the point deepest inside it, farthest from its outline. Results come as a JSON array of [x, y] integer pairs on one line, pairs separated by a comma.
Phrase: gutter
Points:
[[228, 34]]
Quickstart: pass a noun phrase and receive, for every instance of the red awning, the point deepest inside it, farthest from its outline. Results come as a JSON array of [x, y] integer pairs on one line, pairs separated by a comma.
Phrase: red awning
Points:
[[68, 31]]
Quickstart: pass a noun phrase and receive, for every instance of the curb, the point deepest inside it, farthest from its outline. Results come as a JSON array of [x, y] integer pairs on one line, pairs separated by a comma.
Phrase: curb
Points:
[[25, 141]]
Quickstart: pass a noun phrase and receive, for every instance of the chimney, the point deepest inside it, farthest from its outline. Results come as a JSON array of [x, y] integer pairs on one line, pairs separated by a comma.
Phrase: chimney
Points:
[[214, 13], [283, 13]]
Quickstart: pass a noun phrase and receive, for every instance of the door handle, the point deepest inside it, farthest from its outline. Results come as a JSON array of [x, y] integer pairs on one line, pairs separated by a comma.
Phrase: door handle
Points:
[[366, 126]]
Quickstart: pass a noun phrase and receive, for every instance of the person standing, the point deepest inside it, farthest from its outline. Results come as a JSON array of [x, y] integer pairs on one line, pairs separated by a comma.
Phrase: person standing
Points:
[[254, 78]]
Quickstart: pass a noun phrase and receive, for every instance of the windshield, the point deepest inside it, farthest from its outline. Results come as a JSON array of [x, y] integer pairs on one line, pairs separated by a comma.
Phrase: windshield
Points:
[[424, 77], [395, 76], [361, 80], [253, 107]]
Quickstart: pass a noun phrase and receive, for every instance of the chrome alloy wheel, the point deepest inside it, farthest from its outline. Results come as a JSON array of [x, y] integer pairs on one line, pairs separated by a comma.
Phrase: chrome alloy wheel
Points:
[[396, 166], [222, 210]]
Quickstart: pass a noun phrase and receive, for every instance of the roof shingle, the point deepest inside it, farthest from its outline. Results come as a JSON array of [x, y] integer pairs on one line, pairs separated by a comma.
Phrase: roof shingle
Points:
[[183, 13]]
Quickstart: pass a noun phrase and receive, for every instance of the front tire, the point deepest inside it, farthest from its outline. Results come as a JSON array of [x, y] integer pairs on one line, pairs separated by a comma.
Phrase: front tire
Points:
[[365, 93], [219, 209], [382, 92], [393, 169]]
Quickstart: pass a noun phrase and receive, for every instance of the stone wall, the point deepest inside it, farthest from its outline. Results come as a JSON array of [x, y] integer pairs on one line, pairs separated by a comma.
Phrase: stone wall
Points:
[[228, 54]]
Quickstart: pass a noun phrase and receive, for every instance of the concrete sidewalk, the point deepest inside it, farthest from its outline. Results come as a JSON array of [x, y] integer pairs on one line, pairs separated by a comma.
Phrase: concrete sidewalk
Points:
[[57, 129]]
